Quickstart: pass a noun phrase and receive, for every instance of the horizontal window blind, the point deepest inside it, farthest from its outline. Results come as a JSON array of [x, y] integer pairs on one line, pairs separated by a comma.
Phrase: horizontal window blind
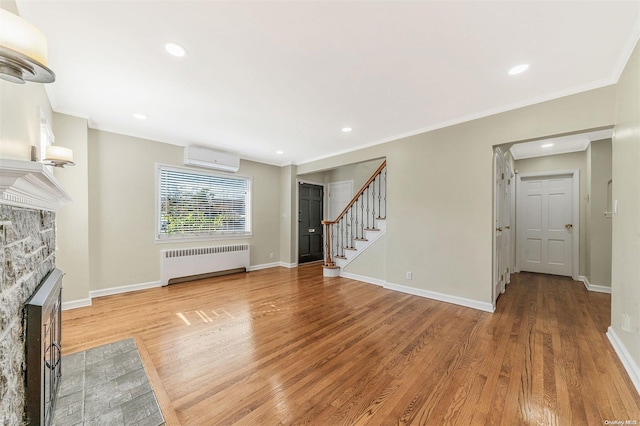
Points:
[[197, 203]]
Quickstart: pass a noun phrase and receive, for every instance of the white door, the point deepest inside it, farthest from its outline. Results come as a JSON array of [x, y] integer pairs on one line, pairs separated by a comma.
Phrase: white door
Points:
[[499, 242], [340, 193], [545, 225]]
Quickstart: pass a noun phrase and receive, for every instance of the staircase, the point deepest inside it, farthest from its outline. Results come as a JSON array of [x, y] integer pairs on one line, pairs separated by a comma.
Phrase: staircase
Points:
[[361, 222]]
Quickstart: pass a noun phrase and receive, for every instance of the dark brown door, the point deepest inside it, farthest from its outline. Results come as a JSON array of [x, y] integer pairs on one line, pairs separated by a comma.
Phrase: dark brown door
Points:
[[310, 209]]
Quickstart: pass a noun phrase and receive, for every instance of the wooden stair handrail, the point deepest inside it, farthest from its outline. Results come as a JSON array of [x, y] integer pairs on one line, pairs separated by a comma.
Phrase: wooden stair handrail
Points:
[[355, 197], [328, 261]]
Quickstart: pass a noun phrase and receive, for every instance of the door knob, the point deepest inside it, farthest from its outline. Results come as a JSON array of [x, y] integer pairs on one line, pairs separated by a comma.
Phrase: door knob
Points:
[[569, 225], [499, 229], [507, 227]]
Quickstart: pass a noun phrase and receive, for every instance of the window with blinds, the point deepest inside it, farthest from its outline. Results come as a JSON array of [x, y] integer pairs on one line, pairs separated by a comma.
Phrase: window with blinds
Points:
[[197, 204]]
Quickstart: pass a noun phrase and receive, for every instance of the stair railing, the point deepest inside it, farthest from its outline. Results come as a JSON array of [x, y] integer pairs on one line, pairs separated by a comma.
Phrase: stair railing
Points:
[[369, 204]]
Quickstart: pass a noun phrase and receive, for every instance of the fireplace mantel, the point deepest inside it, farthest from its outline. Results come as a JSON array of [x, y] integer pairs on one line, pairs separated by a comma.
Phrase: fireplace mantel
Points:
[[30, 184]]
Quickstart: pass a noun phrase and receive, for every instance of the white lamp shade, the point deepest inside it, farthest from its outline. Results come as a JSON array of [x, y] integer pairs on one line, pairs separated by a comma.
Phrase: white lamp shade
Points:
[[59, 154], [22, 37]]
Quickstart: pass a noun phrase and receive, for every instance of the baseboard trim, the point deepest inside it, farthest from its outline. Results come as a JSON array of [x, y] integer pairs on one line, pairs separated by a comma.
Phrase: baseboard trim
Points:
[[625, 357], [585, 281], [263, 266], [123, 289], [362, 278], [593, 287], [272, 265], [80, 303], [461, 301]]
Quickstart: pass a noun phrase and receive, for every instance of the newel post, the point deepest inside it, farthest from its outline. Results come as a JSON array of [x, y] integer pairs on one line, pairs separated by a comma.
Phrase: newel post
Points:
[[328, 261]]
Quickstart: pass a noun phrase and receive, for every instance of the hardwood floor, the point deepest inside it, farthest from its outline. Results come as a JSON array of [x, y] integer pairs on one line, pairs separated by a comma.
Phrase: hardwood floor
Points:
[[287, 346]]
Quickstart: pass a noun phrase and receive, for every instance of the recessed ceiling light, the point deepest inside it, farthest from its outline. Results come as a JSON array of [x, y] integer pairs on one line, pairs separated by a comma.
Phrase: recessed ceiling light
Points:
[[175, 49], [547, 145], [347, 129], [140, 116], [279, 152], [518, 69]]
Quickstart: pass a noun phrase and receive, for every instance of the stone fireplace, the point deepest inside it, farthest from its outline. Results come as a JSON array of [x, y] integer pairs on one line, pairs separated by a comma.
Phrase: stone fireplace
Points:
[[43, 366], [29, 196]]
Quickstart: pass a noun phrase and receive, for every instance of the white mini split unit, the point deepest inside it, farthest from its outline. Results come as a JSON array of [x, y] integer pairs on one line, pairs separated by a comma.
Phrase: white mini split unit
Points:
[[201, 156]]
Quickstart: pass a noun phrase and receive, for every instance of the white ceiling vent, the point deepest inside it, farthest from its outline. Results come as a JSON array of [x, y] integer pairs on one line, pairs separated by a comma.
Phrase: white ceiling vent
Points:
[[201, 156]]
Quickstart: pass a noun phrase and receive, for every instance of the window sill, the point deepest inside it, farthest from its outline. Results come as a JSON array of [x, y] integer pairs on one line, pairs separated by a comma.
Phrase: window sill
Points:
[[169, 240]]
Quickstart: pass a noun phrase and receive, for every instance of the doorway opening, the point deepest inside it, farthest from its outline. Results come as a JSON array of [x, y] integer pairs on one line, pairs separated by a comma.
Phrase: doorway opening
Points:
[[310, 229], [545, 174], [548, 217]]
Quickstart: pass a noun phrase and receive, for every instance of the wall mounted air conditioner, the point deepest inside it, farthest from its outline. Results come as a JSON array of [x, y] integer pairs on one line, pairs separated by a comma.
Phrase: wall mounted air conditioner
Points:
[[201, 156]]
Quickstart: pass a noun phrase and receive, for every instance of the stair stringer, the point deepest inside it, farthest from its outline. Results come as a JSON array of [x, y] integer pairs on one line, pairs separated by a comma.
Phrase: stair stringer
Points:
[[361, 246]]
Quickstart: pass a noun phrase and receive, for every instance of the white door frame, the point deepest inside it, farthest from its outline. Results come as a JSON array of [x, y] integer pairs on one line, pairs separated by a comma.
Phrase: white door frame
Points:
[[574, 174], [512, 223]]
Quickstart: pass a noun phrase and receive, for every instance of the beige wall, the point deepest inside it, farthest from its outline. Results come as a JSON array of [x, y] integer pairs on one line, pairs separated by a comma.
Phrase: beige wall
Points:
[[20, 106], [371, 263], [571, 161], [288, 215], [600, 227], [318, 177], [9, 5], [625, 278], [439, 190], [122, 209], [359, 173], [72, 220]]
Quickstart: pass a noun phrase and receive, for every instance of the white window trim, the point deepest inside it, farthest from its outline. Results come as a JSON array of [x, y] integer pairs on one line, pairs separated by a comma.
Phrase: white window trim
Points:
[[208, 237]]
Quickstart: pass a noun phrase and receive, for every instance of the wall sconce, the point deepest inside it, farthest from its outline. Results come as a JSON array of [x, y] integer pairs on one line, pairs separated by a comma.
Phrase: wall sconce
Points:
[[58, 156], [23, 51]]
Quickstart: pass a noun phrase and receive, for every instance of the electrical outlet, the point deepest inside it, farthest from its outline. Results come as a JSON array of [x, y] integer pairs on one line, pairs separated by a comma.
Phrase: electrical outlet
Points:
[[409, 275], [271, 255]]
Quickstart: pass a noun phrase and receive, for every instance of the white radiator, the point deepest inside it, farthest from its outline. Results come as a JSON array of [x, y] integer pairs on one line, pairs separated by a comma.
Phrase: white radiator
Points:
[[188, 262]]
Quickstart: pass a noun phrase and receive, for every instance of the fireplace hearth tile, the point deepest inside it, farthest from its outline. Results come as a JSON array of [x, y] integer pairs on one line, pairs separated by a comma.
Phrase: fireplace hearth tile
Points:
[[105, 352], [106, 385], [73, 380], [69, 409], [73, 366]]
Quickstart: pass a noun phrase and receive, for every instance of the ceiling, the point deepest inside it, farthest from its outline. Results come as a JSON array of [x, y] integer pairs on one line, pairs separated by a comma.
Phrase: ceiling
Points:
[[267, 76], [559, 145]]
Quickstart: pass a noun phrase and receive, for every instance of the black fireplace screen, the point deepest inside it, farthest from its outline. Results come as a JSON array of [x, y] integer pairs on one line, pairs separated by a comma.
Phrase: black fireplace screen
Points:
[[43, 370]]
